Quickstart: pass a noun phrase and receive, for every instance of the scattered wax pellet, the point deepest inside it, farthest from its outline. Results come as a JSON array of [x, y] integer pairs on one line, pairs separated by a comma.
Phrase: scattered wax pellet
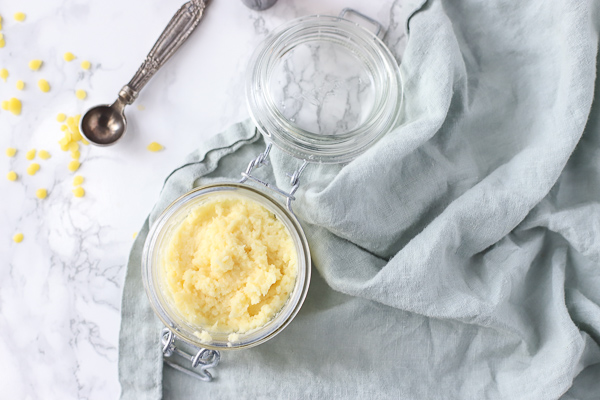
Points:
[[134, 235], [20, 85], [33, 168], [73, 146], [41, 193], [81, 94], [44, 85], [76, 135], [65, 140], [2, 41], [74, 165], [0, 22], [141, 107], [84, 141], [154, 146], [30, 155], [19, 16], [78, 191], [12, 176], [11, 151], [18, 238], [44, 155], [5, 105], [86, 64], [78, 180], [34, 65], [4, 74], [64, 127], [14, 106], [75, 155], [69, 56], [61, 117]]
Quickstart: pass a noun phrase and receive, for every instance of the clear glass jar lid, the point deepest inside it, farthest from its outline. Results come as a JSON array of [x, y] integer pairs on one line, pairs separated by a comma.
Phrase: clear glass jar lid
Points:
[[323, 88]]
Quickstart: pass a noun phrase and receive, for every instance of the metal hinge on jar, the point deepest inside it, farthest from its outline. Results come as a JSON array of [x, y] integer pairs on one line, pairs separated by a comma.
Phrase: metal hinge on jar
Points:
[[261, 160], [201, 361]]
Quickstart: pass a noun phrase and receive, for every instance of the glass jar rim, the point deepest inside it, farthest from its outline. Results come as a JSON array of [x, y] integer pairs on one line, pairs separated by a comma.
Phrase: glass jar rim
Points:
[[302, 143], [169, 316]]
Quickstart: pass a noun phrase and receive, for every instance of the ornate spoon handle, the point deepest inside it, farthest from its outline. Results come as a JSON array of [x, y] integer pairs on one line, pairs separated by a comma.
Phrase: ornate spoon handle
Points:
[[177, 31]]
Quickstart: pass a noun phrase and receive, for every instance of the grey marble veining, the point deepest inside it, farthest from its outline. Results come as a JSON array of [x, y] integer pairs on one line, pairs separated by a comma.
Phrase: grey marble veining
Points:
[[322, 88]]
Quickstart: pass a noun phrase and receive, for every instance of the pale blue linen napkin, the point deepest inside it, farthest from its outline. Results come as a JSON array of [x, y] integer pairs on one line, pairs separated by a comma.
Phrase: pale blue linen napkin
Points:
[[459, 258]]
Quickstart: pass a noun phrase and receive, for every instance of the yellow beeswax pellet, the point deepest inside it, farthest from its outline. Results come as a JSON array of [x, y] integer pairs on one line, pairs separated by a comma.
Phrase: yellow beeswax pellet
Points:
[[86, 64], [154, 146], [34, 65], [44, 85], [65, 140], [78, 180], [20, 85], [76, 136], [33, 168], [11, 151], [78, 191], [64, 127], [19, 16], [2, 40], [134, 235], [84, 141], [73, 146], [30, 155], [4, 74], [14, 106], [18, 238], [81, 94], [75, 155], [41, 193], [61, 117], [12, 176], [44, 155], [5, 105], [0, 21], [68, 56], [74, 165]]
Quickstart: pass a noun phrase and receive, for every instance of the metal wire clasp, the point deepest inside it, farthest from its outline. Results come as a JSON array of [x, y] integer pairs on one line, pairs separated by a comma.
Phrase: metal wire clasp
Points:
[[261, 160], [379, 31], [203, 360]]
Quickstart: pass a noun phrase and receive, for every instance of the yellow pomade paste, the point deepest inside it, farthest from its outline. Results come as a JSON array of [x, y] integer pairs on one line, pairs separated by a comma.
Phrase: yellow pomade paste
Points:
[[230, 266]]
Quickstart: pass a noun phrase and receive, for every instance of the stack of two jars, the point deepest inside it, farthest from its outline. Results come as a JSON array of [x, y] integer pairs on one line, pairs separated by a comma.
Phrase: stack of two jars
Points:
[[227, 266]]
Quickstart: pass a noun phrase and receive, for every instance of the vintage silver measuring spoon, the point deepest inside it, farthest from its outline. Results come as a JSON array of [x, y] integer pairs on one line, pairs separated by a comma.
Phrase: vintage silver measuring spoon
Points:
[[103, 125]]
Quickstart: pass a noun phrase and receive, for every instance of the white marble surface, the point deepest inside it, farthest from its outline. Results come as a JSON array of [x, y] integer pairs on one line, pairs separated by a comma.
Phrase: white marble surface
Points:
[[60, 289]]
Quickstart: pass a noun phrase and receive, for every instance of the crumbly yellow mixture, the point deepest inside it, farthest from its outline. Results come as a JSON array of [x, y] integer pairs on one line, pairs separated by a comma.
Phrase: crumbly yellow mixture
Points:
[[230, 266]]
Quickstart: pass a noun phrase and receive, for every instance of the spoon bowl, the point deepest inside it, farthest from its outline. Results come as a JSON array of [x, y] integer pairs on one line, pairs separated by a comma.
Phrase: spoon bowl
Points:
[[103, 125]]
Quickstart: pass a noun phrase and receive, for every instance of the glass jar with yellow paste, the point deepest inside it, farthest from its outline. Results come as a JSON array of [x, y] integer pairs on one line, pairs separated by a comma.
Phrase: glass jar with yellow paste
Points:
[[227, 266], [230, 265]]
